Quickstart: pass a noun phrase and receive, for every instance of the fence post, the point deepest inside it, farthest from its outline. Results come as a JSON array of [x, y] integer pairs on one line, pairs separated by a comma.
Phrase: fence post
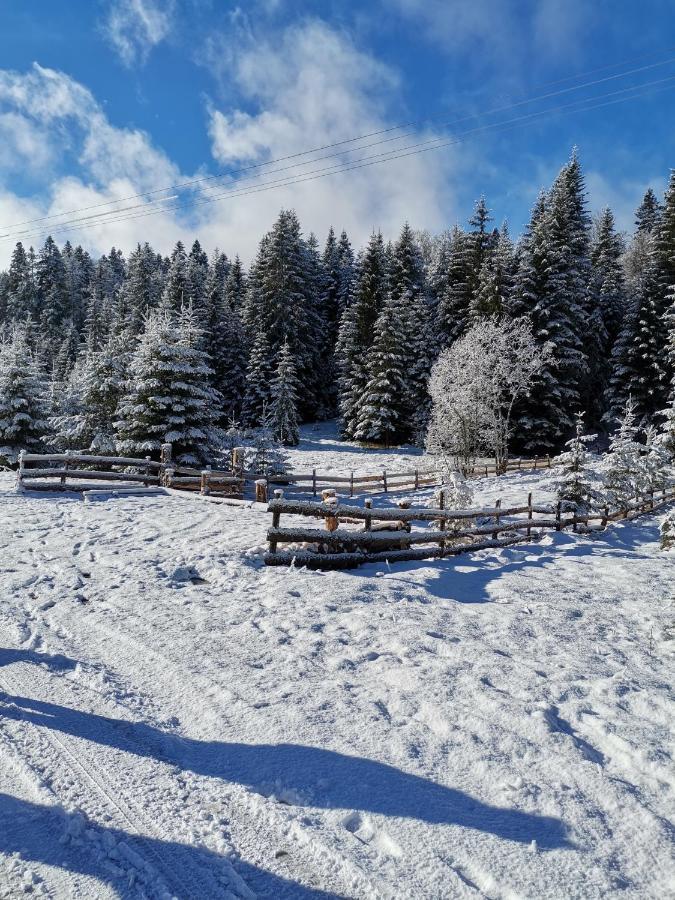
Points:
[[330, 499], [22, 463], [205, 486], [314, 482], [548, 460], [417, 479], [442, 524], [558, 523], [169, 472], [605, 517], [520, 462], [276, 518], [147, 471], [62, 479], [529, 515], [238, 457], [498, 504], [384, 480], [261, 491], [368, 503], [351, 484], [165, 462], [651, 498]]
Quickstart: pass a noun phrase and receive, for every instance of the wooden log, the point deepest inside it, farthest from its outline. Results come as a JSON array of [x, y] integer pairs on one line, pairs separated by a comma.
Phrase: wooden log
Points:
[[384, 480], [352, 560], [63, 474], [314, 482], [529, 513], [414, 514], [89, 458], [558, 508], [205, 480]]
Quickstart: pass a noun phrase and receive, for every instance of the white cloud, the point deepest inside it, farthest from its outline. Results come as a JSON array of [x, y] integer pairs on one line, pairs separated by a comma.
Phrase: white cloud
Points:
[[313, 87], [553, 29], [306, 86], [134, 27]]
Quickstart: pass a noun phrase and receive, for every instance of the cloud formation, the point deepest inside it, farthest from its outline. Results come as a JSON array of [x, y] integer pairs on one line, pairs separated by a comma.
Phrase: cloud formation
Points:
[[134, 27], [308, 87]]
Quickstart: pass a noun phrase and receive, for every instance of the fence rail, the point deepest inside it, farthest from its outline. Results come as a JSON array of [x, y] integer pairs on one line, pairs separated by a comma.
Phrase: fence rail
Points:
[[387, 533]]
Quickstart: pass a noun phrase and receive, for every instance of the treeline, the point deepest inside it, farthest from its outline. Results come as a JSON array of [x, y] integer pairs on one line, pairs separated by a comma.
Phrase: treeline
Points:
[[134, 351]]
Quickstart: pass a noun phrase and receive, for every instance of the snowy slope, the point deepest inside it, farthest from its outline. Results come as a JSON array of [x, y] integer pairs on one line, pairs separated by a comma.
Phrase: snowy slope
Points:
[[178, 720]]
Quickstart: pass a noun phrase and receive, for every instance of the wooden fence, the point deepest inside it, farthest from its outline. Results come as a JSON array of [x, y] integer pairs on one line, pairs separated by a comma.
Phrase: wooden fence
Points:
[[387, 534], [394, 482], [84, 471]]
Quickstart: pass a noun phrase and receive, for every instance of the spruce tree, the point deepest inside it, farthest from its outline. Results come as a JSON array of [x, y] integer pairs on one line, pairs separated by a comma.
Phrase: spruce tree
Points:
[[284, 401], [573, 482], [258, 381], [455, 293], [168, 398], [648, 213], [21, 287], [371, 289], [23, 411], [382, 410]]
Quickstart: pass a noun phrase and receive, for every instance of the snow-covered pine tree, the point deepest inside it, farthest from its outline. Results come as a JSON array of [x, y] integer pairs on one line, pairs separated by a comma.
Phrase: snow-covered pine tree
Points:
[[52, 294], [371, 288], [175, 286], [608, 282], [281, 301], [622, 468], [408, 294], [383, 411], [648, 213], [455, 290], [196, 277], [21, 286], [284, 400], [657, 460], [141, 290], [495, 279], [573, 482], [85, 416], [258, 381], [168, 398], [482, 241], [23, 410], [553, 288]]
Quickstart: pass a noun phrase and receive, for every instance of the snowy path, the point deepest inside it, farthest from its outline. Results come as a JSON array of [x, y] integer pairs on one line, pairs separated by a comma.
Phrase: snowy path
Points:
[[379, 733]]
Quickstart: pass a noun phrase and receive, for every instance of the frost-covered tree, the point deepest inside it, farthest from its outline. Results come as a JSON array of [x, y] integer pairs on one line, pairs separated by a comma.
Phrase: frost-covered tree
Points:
[[175, 287], [573, 478], [21, 288], [648, 213], [284, 403], [475, 385], [23, 410], [168, 398]]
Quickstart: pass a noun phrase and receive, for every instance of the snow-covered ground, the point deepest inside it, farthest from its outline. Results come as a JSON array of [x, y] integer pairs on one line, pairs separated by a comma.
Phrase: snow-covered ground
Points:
[[178, 720]]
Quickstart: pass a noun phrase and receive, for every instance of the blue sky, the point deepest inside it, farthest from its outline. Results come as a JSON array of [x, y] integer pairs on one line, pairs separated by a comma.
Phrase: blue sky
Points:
[[103, 99]]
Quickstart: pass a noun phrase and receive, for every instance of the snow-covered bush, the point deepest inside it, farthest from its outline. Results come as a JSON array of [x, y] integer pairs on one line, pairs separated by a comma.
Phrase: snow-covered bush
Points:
[[622, 468], [267, 455], [23, 409], [573, 480], [455, 492], [474, 386], [668, 532]]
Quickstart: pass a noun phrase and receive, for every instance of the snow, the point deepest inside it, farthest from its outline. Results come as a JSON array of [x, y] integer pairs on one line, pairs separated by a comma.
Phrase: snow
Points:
[[178, 720]]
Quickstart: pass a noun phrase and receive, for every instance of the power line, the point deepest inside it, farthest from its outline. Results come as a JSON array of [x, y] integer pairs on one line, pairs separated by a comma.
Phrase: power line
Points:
[[207, 178], [583, 105]]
